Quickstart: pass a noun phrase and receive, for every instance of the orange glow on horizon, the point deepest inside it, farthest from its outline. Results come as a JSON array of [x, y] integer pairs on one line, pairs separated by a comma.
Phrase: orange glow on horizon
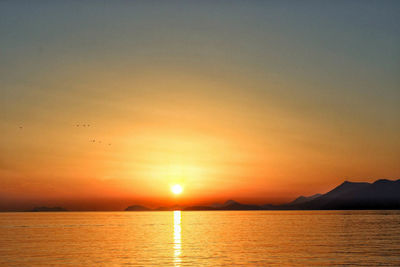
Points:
[[122, 122]]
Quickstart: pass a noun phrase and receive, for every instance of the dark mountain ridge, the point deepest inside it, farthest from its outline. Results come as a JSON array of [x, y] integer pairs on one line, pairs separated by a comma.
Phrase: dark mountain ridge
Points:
[[381, 194], [228, 205], [47, 209], [137, 208]]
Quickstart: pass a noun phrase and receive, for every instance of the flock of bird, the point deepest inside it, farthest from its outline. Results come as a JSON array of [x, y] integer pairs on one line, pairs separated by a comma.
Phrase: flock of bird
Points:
[[92, 140], [81, 125]]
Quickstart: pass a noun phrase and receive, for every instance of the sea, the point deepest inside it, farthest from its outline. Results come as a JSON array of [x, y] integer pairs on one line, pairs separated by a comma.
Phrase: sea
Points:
[[201, 238]]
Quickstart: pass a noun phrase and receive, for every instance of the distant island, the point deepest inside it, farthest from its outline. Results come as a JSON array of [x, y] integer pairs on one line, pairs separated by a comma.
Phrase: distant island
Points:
[[379, 195], [137, 208], [41, 209]]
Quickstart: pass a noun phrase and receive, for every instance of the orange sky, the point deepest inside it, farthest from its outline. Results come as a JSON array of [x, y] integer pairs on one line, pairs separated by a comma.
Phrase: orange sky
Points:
[[225, 108]]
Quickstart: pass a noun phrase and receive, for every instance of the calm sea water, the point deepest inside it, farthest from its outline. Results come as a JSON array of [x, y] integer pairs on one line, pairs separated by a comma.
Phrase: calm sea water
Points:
[[203, 238]]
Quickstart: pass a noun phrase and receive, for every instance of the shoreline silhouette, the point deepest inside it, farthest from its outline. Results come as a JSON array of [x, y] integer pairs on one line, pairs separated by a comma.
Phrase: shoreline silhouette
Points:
[[382, 194], [379, 195]]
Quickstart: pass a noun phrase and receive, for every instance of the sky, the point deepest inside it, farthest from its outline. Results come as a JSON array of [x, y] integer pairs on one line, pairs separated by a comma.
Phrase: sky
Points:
[[257, 101]]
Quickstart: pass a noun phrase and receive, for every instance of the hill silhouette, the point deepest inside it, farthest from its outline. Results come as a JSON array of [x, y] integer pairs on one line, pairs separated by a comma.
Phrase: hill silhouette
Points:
[[303, 199], [41, 209], [381, 194], [137, 208]]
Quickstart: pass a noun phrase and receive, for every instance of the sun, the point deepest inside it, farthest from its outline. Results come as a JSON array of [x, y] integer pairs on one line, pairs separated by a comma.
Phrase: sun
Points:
[[176, 189]]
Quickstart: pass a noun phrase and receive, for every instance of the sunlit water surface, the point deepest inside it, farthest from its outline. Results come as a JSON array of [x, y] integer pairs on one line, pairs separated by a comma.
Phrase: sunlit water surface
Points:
[[201, 238]]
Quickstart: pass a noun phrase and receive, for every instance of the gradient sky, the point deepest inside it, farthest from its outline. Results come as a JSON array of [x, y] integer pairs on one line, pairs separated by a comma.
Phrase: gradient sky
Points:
[[260, 101]]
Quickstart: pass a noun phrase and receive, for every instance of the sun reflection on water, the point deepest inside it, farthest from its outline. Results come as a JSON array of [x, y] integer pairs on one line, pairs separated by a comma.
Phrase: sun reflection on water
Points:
[[177, 237]]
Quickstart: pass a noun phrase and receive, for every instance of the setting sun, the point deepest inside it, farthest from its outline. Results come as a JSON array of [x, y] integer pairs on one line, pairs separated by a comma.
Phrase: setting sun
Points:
[[176, 189]]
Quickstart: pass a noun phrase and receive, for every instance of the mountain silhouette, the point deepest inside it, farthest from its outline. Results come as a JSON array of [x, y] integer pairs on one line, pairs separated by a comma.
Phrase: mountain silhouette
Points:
[[381, 194], [228, 205], [137, 208], [291, 205], [37, 209], [303, 199]]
